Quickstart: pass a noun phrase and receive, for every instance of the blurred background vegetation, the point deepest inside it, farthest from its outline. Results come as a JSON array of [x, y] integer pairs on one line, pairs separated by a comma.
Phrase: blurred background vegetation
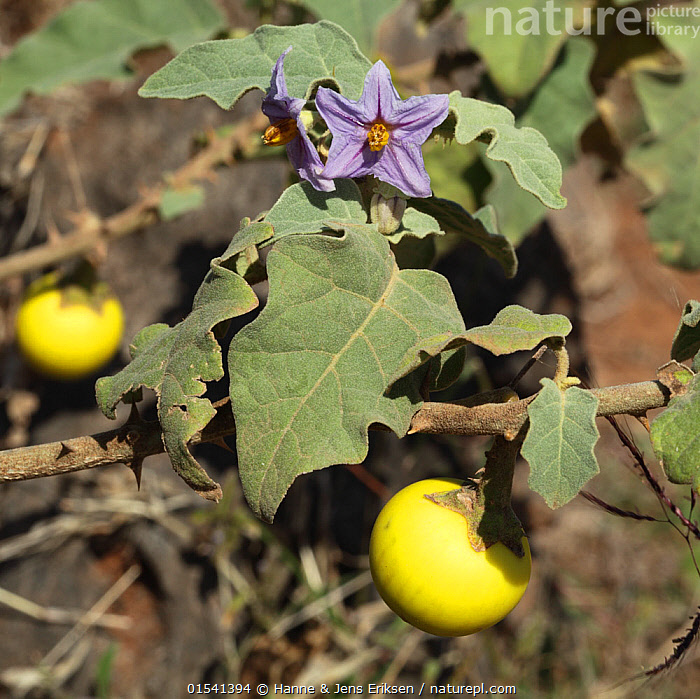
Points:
[[112, 592]]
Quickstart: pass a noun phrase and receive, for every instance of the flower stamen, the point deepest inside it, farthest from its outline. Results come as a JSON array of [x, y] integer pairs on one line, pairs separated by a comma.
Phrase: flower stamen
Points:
[[378, 137], [281, 133]]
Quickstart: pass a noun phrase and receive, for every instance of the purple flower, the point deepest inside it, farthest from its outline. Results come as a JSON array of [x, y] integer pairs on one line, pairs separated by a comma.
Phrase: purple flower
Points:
[[381, 134], [287, 128]]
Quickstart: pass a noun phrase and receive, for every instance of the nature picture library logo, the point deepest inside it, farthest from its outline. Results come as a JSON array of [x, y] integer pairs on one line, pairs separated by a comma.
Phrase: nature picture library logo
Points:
[[660, 19]]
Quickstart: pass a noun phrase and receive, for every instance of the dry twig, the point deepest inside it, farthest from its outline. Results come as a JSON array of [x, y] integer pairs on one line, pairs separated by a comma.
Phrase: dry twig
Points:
[[91, 231]]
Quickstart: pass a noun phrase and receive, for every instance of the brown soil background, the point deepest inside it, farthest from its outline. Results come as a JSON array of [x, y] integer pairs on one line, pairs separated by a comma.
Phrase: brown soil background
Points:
[[223, 598]]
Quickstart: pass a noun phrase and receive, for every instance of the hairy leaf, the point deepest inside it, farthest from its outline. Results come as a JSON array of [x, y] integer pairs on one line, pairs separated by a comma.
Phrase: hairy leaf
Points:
[[669, 160], [176, 363], [560, 442], [360, 18], [480, 228], [516, 328], [249, 234], [90, 40], [312, 372], [686, 341], [525, 151], [303, 209], [225, 70], [675, 437], [415, 224]]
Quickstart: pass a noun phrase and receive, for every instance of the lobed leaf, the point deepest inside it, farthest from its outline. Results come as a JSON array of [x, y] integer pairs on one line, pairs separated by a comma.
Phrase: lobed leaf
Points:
[[303, 209], [415, 224], [525, 151], [516, 328], [559, 445], [91, 40], [329, 355], [249, 234], [176, 363], [675, 437], [225, 70], [481, 228]]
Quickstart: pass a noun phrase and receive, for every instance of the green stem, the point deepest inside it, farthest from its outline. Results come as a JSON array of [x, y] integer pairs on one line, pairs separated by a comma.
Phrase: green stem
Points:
[[561, 373]]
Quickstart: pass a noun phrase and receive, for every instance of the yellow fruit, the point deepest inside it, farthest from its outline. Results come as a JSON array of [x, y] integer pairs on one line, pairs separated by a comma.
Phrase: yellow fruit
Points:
[[65, 332], [427, 572]]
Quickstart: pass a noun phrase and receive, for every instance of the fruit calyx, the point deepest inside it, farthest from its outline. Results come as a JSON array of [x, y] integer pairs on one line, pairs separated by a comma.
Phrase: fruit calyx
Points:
[[485, 502]]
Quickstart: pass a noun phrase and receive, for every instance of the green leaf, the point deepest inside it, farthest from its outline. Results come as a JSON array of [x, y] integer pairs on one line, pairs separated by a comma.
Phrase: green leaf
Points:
[[415, 224], [446, 368], [249, 234], [560, 442], [303, 209], [686, 341], [225, 70], [414, 253], [342, 325], [176, 202], [480, 229], [562, 107], [360, 18], [514, 39], [676, 439], [516, 328], [176, 362], [669, 160], [525, 150], [90, 40], [242, 255]]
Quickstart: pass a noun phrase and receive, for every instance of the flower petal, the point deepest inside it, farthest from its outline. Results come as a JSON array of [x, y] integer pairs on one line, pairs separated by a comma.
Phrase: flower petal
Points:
[[343, 116], [401, 164], [409, 123], [349, 157], [416, 117], [306, 161], [277, 104], [379, 100]]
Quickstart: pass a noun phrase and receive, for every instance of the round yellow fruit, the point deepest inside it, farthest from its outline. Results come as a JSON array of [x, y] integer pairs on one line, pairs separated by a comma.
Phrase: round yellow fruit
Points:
[[427, 572], [64, 332]]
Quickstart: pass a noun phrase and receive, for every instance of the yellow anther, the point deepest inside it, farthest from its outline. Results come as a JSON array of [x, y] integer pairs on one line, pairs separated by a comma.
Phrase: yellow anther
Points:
[[281, 133], [378, 137]]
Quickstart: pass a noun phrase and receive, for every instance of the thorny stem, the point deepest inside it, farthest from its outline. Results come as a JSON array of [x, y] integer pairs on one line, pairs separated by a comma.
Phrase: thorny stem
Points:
[[137, 440], [508, 418]]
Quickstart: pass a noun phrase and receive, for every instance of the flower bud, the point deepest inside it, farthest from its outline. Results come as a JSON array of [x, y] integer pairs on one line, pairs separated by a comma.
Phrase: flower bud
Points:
[[387, 213]]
